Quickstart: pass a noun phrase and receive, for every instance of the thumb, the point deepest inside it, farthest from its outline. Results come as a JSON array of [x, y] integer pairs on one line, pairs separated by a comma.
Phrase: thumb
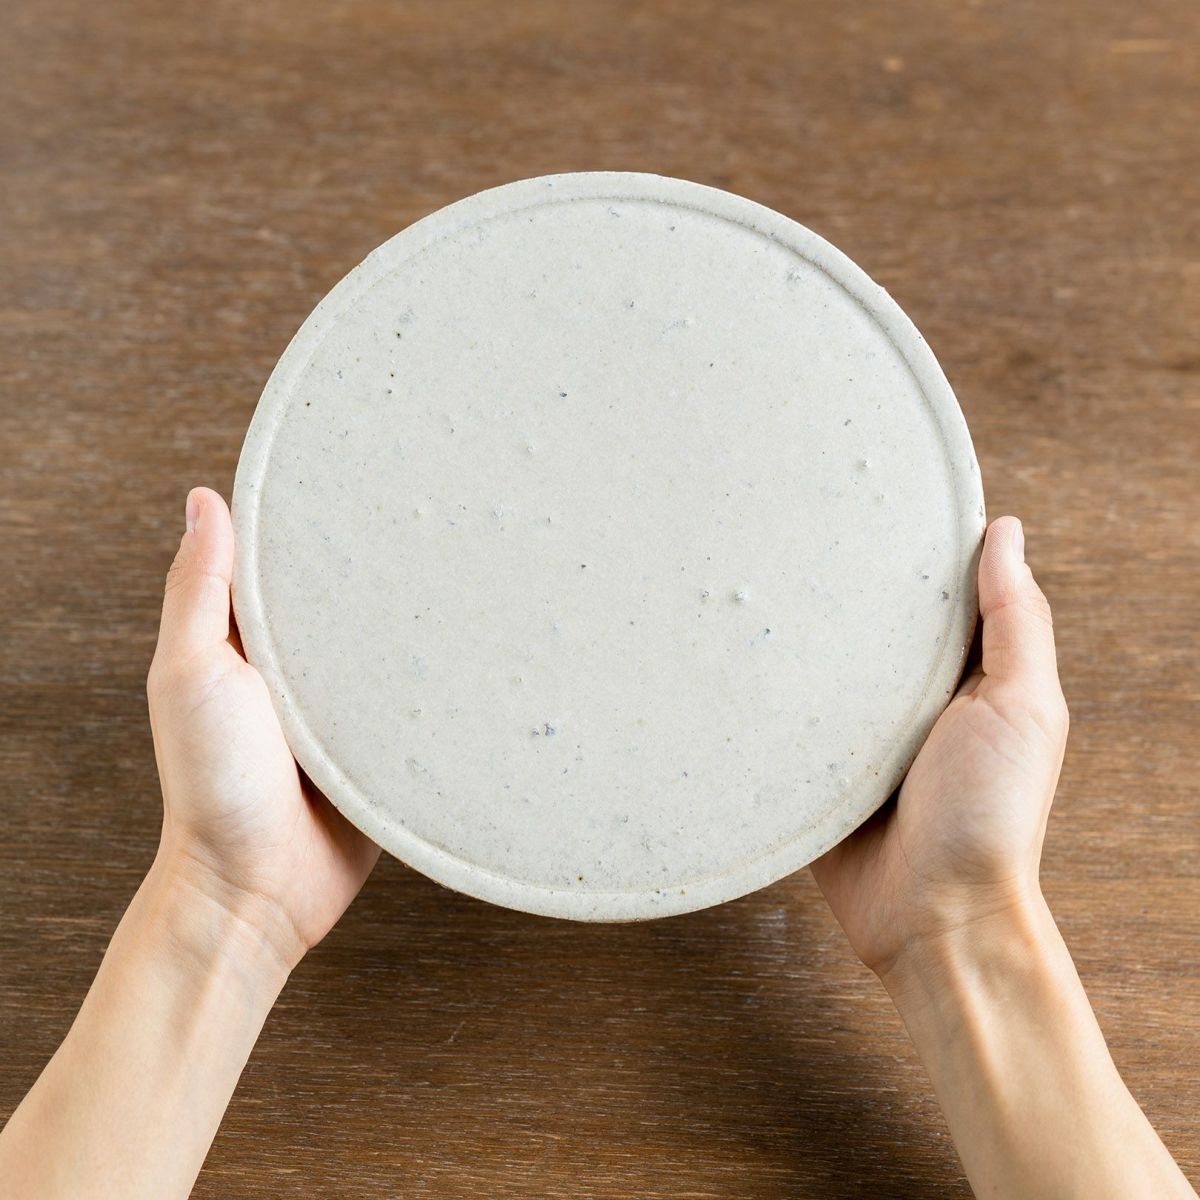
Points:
[[195, 611], [1018, 632]]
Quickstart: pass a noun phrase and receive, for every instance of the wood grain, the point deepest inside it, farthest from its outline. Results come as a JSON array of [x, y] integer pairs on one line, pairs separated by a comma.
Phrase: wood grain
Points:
[[181, 184]]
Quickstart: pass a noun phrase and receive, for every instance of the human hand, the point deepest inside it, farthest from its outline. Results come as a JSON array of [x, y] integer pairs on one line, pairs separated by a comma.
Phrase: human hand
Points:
[[241, 824], [253, 868], [963, 840]]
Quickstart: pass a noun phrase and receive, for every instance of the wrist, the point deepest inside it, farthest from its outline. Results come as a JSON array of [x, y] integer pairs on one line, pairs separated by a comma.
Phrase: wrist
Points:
[[131, 1101], [1012, 943], [211, 932], [1036, 1107]]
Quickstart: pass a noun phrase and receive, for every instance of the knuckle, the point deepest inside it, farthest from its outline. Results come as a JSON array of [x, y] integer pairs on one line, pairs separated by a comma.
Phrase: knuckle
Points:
[[183, 682], [1025, 598], [1040, 704], [1051, 713], [1010, 700], [178, 574], [1037, 605], [157, 681], [188, 575]]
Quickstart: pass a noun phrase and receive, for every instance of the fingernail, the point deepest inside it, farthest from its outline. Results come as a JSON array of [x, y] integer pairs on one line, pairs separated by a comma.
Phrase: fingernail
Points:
[[191, 512], [1019, 541]]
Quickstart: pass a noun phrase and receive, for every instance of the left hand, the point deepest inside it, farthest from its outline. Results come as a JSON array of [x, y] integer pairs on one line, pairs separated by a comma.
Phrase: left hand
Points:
[[241, 823]]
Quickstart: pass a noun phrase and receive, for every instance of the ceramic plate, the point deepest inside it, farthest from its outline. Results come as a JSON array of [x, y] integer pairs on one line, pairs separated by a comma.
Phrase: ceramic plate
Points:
[[608, 545]]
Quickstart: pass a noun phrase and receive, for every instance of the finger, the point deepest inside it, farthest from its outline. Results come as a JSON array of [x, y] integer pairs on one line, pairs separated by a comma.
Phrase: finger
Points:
[[195, 611], [1018, 634]]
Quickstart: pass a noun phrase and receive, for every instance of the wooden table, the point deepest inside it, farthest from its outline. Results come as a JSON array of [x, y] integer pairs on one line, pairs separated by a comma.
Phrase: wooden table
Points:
[[182, 184]]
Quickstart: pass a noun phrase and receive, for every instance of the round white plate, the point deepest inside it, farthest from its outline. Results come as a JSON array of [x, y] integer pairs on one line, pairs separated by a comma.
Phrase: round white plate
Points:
[[608, 544]]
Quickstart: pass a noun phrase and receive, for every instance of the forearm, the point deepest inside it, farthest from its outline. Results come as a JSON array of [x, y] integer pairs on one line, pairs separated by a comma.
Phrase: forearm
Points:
[[1034, 1103], [130, 1103]]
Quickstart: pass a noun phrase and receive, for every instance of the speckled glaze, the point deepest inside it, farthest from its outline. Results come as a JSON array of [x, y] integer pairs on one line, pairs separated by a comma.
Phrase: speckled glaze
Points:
[[608, 544]]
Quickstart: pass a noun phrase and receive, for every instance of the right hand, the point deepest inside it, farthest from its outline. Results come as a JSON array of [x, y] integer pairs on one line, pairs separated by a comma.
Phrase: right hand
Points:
[[963, 841]]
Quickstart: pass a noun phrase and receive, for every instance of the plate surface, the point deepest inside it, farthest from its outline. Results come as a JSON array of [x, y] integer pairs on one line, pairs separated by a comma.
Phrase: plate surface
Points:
[[608, 545]]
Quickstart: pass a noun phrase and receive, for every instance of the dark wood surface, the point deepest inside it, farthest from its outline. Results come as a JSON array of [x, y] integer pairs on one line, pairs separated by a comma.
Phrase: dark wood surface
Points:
[[182, 183]]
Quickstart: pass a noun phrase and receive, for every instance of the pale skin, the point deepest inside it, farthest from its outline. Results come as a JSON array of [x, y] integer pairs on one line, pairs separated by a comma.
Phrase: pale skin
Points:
[[938, 895]]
